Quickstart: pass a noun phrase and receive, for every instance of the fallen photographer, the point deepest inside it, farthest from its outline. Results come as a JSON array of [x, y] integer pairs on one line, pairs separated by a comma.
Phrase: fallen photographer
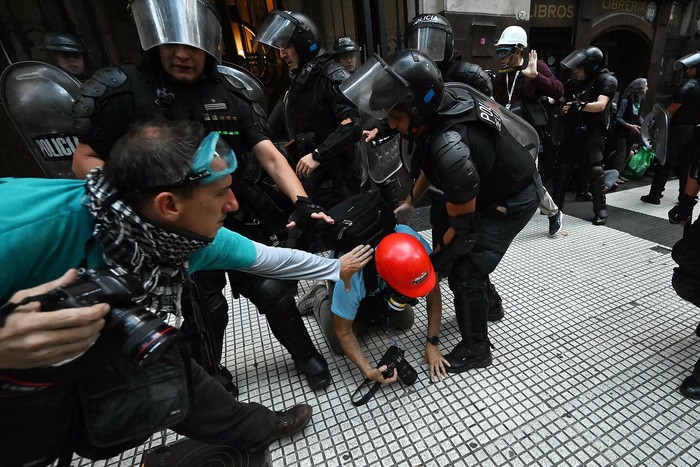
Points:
[[148, 220]]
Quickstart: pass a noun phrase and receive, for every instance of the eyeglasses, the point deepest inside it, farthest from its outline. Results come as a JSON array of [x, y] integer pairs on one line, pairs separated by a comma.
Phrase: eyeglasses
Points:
[[503, 52], [213, 160]]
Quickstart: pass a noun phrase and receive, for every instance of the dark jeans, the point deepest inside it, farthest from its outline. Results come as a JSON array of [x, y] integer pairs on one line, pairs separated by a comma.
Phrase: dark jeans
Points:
[[36, 428]]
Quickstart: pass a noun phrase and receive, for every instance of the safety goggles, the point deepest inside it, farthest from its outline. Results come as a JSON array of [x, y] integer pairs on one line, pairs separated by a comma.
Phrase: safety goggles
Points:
[[503, 52], [213, 160]]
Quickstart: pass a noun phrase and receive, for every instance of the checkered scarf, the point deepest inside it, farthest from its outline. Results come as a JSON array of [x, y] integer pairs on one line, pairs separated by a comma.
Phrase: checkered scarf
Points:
[[158, 257]]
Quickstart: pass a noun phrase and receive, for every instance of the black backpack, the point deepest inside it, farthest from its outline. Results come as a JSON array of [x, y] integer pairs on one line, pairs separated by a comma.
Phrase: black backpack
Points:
[[362, 219]]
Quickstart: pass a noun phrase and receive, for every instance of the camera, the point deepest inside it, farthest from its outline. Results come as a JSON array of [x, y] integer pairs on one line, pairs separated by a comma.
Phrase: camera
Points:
[[143, 336], [394, 359]]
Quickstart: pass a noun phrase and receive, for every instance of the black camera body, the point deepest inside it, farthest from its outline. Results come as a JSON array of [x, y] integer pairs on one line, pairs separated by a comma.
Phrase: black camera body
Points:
[[142, 336], [394, 359]]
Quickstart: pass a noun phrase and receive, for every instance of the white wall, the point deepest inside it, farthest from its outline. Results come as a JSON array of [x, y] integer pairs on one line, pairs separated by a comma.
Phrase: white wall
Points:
[[494, 7]]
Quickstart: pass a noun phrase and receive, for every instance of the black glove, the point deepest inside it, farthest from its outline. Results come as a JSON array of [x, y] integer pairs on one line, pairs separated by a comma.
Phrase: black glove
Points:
[[577, 106], [303, 209], [683, 211], [462, 243]]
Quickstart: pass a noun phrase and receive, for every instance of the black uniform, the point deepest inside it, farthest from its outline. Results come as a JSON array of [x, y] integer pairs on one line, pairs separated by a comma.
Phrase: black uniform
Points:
[[310, 114], [680, 138], [130, 94], [584, 139], [467, 155]]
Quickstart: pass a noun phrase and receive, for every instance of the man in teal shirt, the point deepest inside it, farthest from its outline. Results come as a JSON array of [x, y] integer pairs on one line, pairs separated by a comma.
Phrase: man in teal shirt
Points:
[[155, 211]]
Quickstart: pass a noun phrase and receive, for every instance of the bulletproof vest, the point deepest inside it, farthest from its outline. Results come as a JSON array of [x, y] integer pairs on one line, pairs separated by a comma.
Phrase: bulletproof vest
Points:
[[305, 111], [207, 102], [503, 165], [689, 112], [588, 91]]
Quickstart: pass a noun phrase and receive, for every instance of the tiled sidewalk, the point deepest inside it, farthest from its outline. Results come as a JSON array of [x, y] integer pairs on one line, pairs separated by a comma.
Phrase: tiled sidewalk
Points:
[[586, 366]]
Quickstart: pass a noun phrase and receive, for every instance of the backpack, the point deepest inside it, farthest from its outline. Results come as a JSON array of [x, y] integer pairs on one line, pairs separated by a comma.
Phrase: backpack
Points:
[[362, 219]]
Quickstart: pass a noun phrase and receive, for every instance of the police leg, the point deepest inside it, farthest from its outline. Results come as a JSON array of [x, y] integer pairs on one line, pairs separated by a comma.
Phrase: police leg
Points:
[[471, 309], [597, 187], [210, 284], [273, 299], [496, 312]]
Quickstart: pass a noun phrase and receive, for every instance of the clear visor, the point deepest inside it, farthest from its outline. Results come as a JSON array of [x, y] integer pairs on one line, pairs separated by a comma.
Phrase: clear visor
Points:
[[688, 61], [275, 31], [574, 59], [213, 160], [375, 88], [430, 41], [188, 22]]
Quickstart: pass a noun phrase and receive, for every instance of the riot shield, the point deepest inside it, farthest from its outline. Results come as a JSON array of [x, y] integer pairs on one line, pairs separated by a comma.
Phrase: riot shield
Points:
[[246, 82], [38, 98], [655, 132]]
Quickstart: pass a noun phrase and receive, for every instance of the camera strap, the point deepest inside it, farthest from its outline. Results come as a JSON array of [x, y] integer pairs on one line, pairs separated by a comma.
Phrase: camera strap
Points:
[[364, 399]]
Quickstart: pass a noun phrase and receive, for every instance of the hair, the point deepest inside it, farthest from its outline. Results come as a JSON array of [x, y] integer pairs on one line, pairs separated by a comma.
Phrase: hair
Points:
[[154, 155], [635, 90]]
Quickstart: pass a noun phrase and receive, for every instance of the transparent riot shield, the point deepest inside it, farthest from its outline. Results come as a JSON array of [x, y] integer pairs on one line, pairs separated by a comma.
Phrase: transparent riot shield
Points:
[[38, 98], [655, 132]]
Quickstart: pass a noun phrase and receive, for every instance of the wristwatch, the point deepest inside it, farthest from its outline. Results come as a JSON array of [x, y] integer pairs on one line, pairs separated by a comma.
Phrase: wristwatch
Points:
[[435, 340]]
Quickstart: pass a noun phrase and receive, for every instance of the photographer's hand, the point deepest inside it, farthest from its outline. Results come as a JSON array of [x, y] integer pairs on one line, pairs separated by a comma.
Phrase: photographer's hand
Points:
[[375, 374], [436, 362], [31, 339]]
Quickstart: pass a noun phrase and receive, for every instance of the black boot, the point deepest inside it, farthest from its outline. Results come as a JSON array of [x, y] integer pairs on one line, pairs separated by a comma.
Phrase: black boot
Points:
[[476, 354], [496, 312], [286, 424], [597, 185], [316, 371], [690, 387]]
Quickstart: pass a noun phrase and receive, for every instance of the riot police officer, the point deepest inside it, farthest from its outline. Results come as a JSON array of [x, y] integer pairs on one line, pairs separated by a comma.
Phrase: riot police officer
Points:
[[588, 96], [684, 115], [322, 128], [67, 52], [686, 252], [180, 80], [462, 147], [347, 53], [432, 34]]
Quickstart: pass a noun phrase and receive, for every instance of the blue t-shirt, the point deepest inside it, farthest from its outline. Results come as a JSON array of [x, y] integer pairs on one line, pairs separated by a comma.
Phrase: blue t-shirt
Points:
[[45, 228], [345, 304]]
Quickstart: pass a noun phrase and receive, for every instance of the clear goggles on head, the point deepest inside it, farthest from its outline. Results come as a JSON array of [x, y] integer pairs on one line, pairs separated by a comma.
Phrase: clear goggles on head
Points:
[[214, 159], [503, 52]]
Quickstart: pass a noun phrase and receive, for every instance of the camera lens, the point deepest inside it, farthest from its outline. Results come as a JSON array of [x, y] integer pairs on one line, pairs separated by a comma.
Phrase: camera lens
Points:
[[143, 335], [406, 373]]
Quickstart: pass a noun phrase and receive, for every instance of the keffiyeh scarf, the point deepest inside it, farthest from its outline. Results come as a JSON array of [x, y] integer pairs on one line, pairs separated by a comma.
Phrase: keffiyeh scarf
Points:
[[157, 256]]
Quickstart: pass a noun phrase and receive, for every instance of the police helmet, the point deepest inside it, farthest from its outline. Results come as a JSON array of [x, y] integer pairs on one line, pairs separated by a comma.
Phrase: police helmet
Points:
[[431, 34], [170, 22], [588, 58], [689, 61], [62, 42], [284, 27], [344, 45], [408, 80]]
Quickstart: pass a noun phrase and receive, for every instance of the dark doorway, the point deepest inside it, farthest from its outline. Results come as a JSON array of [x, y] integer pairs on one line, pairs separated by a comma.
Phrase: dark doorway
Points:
[[628, 55]]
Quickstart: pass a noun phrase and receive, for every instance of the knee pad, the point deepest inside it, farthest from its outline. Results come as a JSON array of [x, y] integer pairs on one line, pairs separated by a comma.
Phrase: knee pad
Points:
[[597, 171], [267, 294]]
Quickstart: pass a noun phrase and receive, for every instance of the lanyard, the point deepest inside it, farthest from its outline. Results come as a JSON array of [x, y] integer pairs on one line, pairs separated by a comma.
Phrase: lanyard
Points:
[[512, 88]]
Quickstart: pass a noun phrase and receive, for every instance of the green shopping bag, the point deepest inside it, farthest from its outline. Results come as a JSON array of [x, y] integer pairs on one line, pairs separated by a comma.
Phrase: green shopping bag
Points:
[[639, 163]]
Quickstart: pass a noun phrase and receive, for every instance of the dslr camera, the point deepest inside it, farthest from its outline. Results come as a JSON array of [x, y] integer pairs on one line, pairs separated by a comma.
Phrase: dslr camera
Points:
[[394, 359], [141, 335]]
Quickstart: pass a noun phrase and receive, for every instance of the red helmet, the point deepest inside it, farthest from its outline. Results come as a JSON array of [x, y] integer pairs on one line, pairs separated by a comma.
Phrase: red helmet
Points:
[[404, 264]]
